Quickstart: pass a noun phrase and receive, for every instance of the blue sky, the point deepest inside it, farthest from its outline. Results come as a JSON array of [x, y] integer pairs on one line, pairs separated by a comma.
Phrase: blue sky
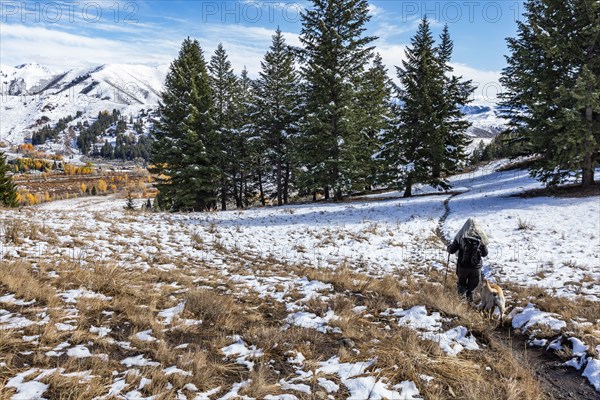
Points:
[[67, 34]]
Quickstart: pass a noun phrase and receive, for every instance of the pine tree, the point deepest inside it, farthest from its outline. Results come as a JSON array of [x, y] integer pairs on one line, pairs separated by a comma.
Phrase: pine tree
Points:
[[552, 85], [107, 150], [408, 146], [335, 54], [223, 82], [8, 192], [243, 133], [183, 151], [277, 107], [450, 151], [373, 112], [428, 137]]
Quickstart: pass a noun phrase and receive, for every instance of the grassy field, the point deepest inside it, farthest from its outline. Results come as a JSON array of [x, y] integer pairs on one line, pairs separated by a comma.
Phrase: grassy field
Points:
[[98, 302]]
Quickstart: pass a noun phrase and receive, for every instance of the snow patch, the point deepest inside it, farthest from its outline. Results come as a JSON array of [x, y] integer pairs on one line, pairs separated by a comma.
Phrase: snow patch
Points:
[[525, 318]]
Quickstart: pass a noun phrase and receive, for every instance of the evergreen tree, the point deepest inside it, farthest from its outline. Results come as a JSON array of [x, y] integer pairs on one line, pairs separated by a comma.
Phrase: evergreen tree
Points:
[[408, 146], [450, 150], [107, 150], [243, 132], [428, 136], [373, 110], [335, 54], [552, 88], [223, 82], [182, 153], [8, 192], [277, 107]]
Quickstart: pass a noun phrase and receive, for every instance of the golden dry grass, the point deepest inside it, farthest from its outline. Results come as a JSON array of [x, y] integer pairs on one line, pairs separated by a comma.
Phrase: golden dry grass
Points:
[[226, 308]]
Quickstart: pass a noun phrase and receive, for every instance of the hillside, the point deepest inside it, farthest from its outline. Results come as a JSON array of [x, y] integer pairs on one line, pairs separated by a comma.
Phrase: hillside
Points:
[[345, 300], [34, 96]]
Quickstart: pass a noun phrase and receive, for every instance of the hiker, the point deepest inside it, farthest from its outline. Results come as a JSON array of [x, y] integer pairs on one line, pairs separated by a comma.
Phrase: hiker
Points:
[[471, 243]]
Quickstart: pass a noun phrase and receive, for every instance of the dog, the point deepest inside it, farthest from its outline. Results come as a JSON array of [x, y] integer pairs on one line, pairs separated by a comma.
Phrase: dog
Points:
[[492, 297]]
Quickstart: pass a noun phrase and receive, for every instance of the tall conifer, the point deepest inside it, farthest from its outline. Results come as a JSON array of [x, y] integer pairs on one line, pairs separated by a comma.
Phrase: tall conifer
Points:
[[182, 154], [8, 192], [336, 51], [552, 88], [277, 101]]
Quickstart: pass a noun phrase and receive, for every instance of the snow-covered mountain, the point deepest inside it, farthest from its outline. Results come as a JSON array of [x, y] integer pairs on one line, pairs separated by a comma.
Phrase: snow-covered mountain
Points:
[[31, 92], [487, 121]]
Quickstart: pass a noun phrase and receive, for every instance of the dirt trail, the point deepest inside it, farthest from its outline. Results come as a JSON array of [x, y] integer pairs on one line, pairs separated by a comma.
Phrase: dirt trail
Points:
[[557, 381], [439, 230]]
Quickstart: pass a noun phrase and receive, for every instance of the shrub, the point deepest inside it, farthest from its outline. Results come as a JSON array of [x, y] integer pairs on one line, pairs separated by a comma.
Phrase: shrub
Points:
[[102, 186], [524, 225]]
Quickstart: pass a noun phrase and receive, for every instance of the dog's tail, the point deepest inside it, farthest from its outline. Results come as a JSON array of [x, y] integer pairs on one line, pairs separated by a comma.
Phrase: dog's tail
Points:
[[494, 289], [490, 288]]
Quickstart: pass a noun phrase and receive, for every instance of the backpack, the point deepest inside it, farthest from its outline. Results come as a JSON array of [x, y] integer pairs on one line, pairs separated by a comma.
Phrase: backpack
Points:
[[471, 256]]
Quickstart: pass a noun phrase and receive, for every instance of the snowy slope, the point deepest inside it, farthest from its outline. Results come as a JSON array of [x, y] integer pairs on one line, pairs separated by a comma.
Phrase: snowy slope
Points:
[[24, 79], [551, 242], [558, 250], [487, 121], [30, 92]]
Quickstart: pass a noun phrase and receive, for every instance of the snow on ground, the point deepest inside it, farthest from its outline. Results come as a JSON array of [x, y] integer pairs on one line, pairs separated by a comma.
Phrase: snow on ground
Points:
[[372, 236], [530, 316], [557, 248], [243, 352], [545, 241], [452, 341], [558, 244]]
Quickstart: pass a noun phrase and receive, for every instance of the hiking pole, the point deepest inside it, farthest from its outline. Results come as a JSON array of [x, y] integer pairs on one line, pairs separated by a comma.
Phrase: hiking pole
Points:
[[447, 266]]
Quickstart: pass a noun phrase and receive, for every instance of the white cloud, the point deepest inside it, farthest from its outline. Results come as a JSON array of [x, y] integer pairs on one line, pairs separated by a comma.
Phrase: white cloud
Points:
[[375, 10], [63, 50], [487, 82], [56, 49]]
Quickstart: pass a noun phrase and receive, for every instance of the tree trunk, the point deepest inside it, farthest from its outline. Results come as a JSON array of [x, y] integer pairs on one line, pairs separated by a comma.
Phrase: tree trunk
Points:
[[588, 158], [241, 194], [338, 195], [236, 194], [200, 204], [436, 171], [314, 196], [279, 183], [286, 183], [408, 189], [260, 183], [223, 195], [326, 192]]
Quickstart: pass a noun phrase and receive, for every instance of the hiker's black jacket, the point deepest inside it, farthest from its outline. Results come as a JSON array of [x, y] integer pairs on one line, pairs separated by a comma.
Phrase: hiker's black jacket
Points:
[[455, 246]]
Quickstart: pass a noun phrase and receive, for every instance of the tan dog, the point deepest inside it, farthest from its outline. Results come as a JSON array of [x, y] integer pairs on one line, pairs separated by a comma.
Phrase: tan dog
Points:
[[492, 297]]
